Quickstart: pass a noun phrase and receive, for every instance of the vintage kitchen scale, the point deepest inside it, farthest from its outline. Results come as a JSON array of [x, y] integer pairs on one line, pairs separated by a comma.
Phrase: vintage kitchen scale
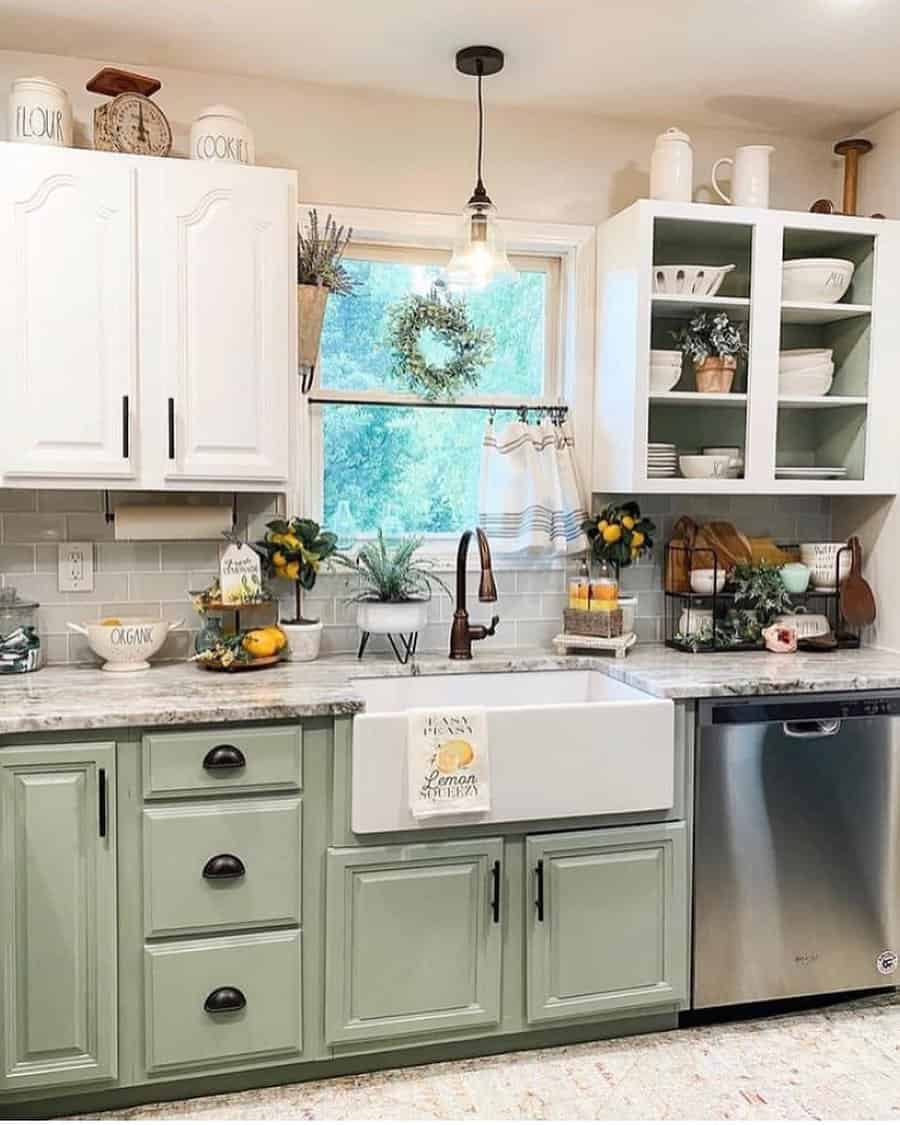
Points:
[[130, 122]]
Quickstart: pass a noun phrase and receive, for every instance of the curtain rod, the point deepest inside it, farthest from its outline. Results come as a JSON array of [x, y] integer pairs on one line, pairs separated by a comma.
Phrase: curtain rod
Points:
[[493, 407]]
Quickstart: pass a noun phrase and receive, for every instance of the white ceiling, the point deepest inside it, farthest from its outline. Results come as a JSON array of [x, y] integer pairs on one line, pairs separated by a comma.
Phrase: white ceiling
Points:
[[820, 67]]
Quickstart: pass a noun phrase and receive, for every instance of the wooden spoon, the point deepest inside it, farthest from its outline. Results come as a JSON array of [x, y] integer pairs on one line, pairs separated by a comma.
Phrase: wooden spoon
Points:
[[857, 600]]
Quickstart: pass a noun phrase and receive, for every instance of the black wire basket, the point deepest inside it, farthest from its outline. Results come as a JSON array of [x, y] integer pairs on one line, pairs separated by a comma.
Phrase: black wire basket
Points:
[[700, 622]]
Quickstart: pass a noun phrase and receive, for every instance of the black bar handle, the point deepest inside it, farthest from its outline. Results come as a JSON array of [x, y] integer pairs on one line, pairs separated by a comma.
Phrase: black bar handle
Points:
[[171, 429], [495, 890], [227, 999], [224, 758], [539, 889], [126, 428], [224, 866], [101, 802]]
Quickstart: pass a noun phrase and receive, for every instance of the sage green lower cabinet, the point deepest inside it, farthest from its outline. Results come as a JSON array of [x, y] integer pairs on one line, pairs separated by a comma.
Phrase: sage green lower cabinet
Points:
[[223, 864], [222, 1000], [58, 915], [607, 927], [414, 938]]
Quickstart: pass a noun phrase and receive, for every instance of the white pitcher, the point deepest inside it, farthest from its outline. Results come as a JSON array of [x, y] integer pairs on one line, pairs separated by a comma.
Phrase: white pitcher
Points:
[[749, 176]]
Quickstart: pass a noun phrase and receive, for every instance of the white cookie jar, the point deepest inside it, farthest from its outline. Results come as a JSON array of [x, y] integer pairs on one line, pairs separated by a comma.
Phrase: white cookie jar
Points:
[[672, 167], [39, 113], [221, 134]]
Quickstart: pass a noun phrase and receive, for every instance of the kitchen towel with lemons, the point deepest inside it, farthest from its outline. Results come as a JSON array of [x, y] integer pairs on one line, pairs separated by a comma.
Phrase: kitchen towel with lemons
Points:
[[447, 761]]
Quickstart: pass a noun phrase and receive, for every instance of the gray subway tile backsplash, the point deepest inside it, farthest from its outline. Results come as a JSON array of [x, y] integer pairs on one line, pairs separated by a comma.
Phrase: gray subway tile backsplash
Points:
[[147, 578]]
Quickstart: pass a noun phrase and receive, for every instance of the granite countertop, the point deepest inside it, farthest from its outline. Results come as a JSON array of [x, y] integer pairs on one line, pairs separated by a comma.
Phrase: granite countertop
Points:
[[84, 698]]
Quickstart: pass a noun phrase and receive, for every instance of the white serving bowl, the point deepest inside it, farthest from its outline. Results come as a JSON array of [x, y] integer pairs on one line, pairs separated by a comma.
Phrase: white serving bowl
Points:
[[816, 279], [695, 281], [821, 558], [707, 581], [698, 467], [663, 379], [128, 645], [799, 359], [814, 382], [667, 355]]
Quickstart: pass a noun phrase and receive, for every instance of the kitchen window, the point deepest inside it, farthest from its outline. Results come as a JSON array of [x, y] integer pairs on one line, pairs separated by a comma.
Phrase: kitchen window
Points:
[[397, 463]]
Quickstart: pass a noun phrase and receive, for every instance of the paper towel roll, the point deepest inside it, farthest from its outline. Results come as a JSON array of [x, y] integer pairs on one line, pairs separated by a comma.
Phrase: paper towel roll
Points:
[[162, 521]]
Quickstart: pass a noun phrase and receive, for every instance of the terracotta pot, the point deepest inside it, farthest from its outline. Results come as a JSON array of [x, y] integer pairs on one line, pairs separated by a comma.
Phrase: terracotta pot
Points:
[[311, 301], [715, 374]]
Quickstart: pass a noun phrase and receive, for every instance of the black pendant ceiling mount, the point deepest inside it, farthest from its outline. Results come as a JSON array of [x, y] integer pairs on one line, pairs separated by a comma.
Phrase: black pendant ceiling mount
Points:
[[476, 61]]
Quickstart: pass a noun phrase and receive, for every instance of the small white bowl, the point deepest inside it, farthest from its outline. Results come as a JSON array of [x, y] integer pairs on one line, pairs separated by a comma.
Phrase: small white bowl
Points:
[[816, 279], [697, 467], [663, 379], [128, 645], [799, 359], [707, 581], [660, 357]]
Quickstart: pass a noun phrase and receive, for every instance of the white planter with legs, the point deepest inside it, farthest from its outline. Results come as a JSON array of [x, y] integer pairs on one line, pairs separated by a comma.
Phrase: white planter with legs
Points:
[[392, 617]]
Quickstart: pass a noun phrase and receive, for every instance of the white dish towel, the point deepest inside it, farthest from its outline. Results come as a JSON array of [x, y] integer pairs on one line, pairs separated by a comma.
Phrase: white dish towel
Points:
[[529, 499], [447, 761]]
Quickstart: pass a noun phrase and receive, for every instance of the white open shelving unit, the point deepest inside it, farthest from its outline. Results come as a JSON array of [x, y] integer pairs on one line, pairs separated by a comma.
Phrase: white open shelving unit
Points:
[[851, 427]]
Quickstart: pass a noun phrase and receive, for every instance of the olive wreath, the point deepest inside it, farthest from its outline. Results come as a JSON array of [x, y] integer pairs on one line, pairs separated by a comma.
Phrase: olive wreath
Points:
[[448, 318]]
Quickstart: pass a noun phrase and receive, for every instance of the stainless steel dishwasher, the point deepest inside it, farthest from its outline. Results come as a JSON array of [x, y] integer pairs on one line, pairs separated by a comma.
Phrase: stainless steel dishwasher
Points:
[[796, 846]]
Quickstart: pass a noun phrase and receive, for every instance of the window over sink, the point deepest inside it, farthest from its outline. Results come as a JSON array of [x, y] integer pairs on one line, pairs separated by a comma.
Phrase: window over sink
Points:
[[397, 461]]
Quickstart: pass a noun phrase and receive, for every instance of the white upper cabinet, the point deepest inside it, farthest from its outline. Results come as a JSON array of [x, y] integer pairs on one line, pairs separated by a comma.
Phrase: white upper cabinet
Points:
[[222, 329], [147, 319], [68, 314], [789, 441]]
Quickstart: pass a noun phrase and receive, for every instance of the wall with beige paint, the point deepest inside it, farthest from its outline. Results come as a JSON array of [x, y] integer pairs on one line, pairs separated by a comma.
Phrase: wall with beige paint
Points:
[[376, 150]]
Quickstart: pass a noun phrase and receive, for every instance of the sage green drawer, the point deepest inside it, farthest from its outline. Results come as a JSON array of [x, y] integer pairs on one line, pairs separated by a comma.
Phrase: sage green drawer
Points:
[[223, 760], [253, 985], [222, 865]]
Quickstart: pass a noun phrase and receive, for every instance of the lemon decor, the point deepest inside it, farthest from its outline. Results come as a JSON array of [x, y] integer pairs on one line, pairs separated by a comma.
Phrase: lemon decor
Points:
[[619, 535], [294, 549], [447, 318]]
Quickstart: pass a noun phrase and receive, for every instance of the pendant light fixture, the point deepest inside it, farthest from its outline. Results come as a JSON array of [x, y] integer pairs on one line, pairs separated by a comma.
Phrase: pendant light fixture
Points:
[[479, 252]]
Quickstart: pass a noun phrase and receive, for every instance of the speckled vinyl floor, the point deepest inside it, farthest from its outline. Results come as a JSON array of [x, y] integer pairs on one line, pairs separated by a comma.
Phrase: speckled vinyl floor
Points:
[[831, 1063]]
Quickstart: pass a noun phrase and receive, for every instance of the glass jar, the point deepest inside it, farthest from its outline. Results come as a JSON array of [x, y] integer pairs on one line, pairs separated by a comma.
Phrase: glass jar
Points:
[[580, 588], [604, 587], [20, 641]]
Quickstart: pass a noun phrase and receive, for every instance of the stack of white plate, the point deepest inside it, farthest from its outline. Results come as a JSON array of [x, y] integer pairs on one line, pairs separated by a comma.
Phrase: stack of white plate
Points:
[[662, 459], [805, 372], [810, 472]]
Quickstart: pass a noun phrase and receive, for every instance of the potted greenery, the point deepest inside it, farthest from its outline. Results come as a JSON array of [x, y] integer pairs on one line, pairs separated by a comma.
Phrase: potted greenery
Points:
[[713, 343], [294, 549], [319, 272], [395, 586], [619, 534]]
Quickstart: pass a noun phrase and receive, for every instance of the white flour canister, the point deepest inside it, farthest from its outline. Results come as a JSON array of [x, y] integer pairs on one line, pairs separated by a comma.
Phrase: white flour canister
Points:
[[39, 112], [672, 167], [220, 133]]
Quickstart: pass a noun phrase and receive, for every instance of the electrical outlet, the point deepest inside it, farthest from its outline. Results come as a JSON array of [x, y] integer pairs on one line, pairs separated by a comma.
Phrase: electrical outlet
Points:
[[76, 567]]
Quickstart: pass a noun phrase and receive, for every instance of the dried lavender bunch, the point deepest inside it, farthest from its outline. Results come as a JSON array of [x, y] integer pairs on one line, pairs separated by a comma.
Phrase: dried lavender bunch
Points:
[[319, 254]]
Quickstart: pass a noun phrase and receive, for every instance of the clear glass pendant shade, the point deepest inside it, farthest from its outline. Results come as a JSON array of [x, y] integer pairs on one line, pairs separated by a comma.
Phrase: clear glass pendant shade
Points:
[[479, 250]]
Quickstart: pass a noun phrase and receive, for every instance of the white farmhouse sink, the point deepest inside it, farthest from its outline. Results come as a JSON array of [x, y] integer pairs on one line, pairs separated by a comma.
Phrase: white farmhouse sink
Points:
[[561, 744]]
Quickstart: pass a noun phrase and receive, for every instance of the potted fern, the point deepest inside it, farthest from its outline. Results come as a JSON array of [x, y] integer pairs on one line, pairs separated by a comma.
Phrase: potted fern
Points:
[[395, 586], [319, 272]]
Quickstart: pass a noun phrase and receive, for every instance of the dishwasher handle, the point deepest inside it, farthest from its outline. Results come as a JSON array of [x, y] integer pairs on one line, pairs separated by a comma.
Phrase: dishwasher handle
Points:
[[812, 728]]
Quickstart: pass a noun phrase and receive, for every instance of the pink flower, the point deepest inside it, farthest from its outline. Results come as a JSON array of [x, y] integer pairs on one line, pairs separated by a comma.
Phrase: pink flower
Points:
[[780, 638]]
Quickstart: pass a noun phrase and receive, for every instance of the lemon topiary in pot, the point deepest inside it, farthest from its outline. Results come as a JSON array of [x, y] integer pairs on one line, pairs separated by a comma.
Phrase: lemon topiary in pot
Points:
[[294, 550]]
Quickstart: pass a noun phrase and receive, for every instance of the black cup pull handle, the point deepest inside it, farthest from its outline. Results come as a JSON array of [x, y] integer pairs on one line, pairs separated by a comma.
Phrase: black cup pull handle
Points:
[[539, 889], [224, 866], [224, 758], [225, 999]]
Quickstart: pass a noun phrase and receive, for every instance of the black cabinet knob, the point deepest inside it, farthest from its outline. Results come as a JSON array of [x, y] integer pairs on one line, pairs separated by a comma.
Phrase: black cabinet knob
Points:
[[224, 758], [225, 999], [224, 866]]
